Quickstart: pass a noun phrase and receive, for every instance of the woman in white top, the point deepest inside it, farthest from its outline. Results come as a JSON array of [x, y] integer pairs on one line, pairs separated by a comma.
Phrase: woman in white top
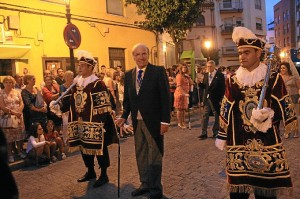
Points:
[[37, 145]]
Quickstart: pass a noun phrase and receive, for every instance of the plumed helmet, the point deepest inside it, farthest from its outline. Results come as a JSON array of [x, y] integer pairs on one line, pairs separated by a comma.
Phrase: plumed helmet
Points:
[[243, 37], [85, 56]]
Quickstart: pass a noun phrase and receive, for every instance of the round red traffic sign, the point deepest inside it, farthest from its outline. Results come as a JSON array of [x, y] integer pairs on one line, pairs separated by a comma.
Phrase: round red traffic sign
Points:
[[72, 36]]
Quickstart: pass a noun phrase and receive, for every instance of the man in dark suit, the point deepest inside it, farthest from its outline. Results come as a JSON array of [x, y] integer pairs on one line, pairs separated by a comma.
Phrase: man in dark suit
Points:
[[146, 97], [214, 89]]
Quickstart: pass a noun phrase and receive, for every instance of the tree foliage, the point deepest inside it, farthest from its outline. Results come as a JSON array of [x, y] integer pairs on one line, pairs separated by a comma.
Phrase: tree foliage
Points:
[[172, 16]]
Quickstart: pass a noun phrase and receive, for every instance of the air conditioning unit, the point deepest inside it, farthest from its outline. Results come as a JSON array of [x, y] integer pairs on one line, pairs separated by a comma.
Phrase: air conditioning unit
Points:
[[13, 22]]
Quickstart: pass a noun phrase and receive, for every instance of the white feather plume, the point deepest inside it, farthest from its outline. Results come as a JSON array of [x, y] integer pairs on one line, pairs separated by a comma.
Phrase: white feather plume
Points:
[[84, 53], [242, 32]]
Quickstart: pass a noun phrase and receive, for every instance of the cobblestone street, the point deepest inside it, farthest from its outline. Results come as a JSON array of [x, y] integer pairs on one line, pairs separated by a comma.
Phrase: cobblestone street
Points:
[[192, 169]]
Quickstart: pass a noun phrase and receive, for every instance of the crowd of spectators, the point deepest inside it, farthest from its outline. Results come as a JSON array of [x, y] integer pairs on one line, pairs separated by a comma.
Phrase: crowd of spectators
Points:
[[27, 103], [45, 132]]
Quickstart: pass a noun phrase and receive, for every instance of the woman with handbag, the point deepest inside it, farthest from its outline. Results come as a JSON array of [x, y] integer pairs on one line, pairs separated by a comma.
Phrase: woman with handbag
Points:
[[292, 84], [11, 120], [35, 109]]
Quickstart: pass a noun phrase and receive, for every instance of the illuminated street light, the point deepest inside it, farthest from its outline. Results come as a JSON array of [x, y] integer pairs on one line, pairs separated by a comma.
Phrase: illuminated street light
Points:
[[68, 15], [207, 45], [282, 54]]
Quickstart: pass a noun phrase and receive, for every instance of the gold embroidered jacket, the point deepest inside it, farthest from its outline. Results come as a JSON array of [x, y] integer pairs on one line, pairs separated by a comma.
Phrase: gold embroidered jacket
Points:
[[255, 161], [91, 123]]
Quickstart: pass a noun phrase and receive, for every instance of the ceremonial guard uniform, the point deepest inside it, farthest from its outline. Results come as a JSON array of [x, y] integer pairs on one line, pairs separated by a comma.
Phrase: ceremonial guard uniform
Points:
[[256, 159], [91, 126]]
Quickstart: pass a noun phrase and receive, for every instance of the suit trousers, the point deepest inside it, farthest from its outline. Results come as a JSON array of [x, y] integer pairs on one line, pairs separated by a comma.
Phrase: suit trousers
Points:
[[205, 118], [149, 159], [103, 160]]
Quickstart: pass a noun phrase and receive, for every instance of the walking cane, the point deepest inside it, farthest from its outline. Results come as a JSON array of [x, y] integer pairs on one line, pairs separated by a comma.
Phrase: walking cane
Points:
[[119, 161], [189, 112]]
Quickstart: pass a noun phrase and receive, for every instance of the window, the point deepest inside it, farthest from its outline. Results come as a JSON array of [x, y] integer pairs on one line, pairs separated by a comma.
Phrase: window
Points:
[[227, 4], [278, 20], [117, 57], [287, 15], [284, 44], [258, 24], [258, 4], [6, 66], [114, 7], [201, 21], [239, 22], [284, 29], [283, 16], [287, 28]]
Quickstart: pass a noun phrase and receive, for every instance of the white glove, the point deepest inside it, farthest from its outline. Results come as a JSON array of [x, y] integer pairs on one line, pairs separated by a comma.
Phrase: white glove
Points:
[[55, 108], [220, 144], [262, 119]]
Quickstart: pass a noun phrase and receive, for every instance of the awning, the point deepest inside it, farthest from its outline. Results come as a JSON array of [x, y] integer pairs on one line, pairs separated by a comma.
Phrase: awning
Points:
[[187, 54], [11, 51], [201, 57]]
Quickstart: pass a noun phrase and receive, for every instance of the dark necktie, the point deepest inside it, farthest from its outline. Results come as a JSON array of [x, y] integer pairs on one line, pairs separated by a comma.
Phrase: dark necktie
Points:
[[140, 77], [210, 78]]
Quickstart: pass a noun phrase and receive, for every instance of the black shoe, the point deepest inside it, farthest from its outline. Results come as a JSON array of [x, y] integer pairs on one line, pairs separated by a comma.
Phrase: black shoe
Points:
[[155, 196], [215, 136], [87, 176], [139, 191], [101, 181], [202, 137]]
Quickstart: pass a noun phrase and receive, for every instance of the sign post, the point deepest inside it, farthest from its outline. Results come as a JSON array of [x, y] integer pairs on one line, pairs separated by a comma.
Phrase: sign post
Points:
[[72, 38]]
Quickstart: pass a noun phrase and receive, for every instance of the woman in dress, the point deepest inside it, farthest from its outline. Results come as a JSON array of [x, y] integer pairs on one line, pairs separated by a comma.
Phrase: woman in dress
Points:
[[11, 103], [35, 109], [181, 94], [292, 84]]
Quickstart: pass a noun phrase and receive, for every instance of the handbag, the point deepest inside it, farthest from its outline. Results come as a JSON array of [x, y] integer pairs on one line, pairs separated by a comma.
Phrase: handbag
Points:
[[9, 121], [39, 101]]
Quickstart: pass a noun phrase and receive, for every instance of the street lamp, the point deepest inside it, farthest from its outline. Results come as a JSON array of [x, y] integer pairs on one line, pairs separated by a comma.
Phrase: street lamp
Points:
[[68, 15], [207, 45], [282, 54]]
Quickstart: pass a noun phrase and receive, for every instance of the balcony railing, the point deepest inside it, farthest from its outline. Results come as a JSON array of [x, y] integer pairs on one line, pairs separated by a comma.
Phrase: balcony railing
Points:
[[229, 51], [228, 29], [231, 7]]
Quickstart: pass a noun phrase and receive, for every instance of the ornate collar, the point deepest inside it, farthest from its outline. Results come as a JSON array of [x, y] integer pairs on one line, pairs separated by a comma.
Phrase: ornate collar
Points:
[[247, 78]]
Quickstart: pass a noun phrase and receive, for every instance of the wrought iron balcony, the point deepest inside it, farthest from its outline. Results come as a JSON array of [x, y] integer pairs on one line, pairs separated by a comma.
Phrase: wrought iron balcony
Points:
[[229, 7], [228, 29]]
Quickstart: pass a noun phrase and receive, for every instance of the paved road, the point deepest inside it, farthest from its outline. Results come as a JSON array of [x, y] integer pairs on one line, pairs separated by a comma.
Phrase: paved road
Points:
[[192, 170]]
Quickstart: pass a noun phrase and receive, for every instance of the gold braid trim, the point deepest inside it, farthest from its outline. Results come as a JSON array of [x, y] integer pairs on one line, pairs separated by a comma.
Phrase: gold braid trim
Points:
[[291, 127], [86, 151], [223, 125], [267, 192]]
